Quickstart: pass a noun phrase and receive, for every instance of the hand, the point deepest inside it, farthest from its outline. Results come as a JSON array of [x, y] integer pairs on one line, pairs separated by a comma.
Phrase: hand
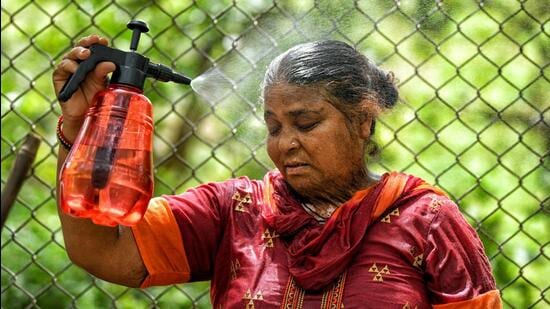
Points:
[[74, 110]]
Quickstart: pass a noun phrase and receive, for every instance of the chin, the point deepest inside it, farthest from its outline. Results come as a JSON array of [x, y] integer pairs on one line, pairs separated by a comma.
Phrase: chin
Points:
[[303, 186], [297, 179]]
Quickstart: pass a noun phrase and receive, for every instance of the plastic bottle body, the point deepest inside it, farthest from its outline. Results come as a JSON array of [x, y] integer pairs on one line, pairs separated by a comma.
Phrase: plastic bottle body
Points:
[[107, 175]]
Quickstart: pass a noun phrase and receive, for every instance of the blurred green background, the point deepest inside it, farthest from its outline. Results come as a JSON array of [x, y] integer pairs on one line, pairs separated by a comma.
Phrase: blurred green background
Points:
[[473, 118]]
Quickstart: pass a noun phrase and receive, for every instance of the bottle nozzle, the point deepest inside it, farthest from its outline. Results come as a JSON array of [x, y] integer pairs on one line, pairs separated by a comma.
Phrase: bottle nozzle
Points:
[[165, 74], [181, 79]]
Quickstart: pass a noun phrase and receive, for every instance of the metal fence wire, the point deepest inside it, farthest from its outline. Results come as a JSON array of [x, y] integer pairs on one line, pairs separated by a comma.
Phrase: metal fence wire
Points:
[[473, 118]]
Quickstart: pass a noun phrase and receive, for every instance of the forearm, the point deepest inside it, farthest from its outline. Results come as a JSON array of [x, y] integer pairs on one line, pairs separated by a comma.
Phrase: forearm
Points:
[[109, 253]]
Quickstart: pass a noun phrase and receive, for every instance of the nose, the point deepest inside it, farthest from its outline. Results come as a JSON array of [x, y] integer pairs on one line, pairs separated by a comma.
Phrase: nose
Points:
[[288, 142]]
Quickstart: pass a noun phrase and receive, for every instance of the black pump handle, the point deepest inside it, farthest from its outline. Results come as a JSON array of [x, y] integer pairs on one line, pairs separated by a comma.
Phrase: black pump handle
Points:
[[133, 66], [98, 53], [137, 27]]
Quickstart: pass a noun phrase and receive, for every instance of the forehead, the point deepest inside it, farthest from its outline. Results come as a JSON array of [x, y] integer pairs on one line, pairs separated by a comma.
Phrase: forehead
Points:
[[282, 98]]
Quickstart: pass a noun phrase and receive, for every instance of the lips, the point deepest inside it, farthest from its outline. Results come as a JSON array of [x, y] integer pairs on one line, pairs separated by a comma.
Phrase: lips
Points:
[[295, 164], [295, 167]]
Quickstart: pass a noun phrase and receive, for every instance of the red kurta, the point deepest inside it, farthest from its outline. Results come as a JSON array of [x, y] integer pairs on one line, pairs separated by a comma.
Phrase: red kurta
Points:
[[397, 244]]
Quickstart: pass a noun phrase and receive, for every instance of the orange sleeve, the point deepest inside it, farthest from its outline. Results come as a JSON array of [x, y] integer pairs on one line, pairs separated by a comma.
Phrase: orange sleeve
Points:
[[488, 300], [160, 245]]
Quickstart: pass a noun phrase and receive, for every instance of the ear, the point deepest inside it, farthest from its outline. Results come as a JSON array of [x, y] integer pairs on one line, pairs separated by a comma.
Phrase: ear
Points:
[[365, 127]]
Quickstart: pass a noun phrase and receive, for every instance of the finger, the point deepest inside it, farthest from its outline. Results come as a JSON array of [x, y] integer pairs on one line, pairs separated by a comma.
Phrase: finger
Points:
[[104, 68], [103, 41], [65, 68], [89, 40], [83, 41], [78, 53]]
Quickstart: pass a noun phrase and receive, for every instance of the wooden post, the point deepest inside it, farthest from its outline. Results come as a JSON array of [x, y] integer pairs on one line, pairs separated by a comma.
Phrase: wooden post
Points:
[[23, 163]]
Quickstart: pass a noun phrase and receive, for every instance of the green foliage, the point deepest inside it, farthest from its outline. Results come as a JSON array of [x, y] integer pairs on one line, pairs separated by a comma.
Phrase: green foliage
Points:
[[473, 118]]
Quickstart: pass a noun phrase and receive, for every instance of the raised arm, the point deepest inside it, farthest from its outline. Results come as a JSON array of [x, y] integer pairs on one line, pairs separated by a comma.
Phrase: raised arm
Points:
[[109, 253]]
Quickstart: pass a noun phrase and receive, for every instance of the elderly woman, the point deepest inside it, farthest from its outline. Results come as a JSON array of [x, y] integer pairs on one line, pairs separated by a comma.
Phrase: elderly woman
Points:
[[318, 232]]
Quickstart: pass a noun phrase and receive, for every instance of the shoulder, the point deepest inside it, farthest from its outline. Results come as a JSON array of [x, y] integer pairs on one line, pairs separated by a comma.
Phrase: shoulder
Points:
[[421, 211], [215, 199], [433, 205], [432, 212], [220, 190], [416, 197], [413, 220], [216, 202], [406, 225]]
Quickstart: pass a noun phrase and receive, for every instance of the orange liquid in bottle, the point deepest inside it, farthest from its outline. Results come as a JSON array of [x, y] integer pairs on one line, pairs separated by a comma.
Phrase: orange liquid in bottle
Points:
[[107, 176]]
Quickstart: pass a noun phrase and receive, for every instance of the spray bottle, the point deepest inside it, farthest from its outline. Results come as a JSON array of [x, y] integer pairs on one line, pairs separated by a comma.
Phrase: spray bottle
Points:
[[107, 175]]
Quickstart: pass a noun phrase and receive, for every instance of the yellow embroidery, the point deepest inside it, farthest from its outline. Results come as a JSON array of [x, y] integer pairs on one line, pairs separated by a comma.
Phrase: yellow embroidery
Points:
[[235, 266], [407, 306], [379, 276], [251, 298], [418, 260], [267, 237], [333, 297], [387, 218], [242, 201], [435, 204], [294, 296]]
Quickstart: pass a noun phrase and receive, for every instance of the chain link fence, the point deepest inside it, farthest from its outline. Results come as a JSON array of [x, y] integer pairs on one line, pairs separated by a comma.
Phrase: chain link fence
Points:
[[473, 118]]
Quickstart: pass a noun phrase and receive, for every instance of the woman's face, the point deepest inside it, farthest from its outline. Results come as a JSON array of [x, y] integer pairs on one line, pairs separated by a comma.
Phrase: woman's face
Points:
[[314, 146]]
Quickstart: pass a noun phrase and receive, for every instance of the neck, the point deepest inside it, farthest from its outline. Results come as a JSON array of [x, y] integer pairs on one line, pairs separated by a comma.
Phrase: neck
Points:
[[336, 194]]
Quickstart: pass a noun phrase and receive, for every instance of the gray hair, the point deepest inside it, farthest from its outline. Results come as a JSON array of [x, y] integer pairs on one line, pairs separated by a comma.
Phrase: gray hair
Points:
[[344, 74]]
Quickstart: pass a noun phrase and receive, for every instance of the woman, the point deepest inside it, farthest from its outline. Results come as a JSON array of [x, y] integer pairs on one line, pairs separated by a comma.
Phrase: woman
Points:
[[319, 231]]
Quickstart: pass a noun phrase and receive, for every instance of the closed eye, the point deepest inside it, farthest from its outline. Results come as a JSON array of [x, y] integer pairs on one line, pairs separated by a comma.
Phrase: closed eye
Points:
[[273, 130], [307, 126]]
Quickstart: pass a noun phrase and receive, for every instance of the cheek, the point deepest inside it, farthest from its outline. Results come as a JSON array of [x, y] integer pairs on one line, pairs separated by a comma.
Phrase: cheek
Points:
[[339, 152], [272, 151]]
